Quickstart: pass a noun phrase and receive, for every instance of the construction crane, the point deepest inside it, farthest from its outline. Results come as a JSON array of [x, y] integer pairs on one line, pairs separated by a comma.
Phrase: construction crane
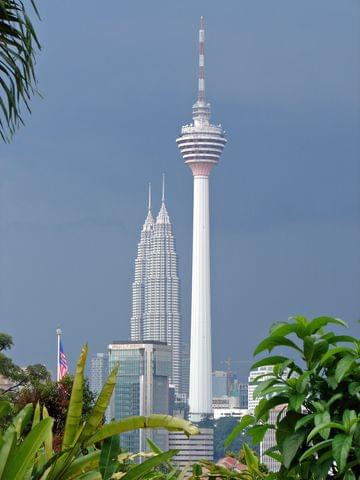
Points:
[[228, 362]]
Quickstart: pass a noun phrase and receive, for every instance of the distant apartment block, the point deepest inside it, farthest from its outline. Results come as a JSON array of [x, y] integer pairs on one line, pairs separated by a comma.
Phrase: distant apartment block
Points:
[[193, 448]]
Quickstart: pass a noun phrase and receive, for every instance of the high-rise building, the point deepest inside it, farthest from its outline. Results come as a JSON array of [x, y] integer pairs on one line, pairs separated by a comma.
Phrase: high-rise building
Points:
[[99, 371], [240, 389], [156, 288], [201, 144], [185, 370], [219, 383], [253, 402], [142, 388]]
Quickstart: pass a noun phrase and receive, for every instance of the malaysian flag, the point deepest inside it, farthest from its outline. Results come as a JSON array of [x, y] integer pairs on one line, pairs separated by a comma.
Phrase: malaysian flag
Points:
[[63, 368]]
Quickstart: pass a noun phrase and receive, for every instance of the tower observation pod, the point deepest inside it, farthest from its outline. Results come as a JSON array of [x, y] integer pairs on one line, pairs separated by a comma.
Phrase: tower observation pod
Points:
[[201, 144]]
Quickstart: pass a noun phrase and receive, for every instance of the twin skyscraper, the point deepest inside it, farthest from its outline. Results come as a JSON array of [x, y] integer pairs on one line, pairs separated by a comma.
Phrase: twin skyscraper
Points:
[[156, 288]]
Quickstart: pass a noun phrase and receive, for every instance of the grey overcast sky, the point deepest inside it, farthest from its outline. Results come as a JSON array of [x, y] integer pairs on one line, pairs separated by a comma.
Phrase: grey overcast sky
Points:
[[118, 82]]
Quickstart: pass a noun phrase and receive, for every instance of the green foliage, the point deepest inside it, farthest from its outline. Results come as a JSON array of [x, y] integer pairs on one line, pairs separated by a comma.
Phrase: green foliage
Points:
[[317, 398], [89, 451], [18, 44]]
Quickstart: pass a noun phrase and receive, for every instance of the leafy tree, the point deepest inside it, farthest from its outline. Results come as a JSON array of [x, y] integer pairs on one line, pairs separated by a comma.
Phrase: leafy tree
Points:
[[31, 375], [55, 396], [18, 44], [318, 427]]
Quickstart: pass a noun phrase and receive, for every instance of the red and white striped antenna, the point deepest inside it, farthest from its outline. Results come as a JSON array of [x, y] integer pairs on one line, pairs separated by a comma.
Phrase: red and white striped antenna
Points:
[[201, 91]]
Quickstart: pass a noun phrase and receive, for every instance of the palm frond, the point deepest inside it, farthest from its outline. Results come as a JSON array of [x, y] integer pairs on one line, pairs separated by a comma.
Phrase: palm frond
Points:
[[18, 46]]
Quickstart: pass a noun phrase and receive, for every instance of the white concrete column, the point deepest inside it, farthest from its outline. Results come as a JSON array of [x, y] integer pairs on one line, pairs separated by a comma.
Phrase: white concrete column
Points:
[[200, 394]]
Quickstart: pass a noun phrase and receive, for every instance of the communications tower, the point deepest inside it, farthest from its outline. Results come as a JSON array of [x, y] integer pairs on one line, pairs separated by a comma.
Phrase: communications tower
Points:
[[201, 144]]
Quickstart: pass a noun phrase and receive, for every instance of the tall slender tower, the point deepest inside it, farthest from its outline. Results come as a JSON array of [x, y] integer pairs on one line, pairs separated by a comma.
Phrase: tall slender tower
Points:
[[201, 144]]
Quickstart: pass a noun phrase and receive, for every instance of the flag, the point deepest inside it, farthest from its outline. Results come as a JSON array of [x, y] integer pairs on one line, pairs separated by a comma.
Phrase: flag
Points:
[[63, 365]]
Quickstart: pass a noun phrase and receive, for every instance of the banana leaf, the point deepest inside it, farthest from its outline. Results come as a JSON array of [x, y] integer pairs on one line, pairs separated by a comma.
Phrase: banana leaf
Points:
[[23, 456], [36, 418], [133, 423], [8, 443], [76, 402], [90, 476], [22, 419], [83, 464], [100, 406], [149, 465], [48, 443]]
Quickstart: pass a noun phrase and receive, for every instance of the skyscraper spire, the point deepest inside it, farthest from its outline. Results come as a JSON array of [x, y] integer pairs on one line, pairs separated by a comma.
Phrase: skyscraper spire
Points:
[[201, 89], [149, 202], [149, 220]]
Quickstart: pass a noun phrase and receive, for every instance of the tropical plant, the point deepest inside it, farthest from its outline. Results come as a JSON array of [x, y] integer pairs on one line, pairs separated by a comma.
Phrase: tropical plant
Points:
[[318, 426], [89, 450], [18, 44]]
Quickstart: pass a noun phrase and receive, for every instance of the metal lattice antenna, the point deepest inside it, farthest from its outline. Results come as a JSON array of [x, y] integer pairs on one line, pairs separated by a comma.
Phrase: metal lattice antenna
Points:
[[149, 202], [201, 91], [163, 188]]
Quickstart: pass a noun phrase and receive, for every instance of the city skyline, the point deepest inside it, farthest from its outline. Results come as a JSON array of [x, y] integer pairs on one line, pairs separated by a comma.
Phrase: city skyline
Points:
[[285, 201]]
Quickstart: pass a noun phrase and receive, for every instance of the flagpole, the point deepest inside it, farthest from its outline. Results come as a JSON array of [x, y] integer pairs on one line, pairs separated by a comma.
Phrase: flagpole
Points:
[[58, 334]]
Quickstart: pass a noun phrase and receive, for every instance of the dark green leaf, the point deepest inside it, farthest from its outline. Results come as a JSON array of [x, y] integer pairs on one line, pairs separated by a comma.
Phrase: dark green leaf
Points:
[[320, 322], [257, 432], [311, 451], [296, 401], [354, 387], [341, 445], [291, 446], [324, 426], [282, 329], [334, 351], [271, 342], [320, 419], [304, 421], [268, 361], [263, 408], [108, 459], [343, 367], [309, 348]]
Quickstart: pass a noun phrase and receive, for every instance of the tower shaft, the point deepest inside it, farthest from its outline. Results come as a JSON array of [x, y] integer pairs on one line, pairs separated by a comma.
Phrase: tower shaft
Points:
[[200, 394]]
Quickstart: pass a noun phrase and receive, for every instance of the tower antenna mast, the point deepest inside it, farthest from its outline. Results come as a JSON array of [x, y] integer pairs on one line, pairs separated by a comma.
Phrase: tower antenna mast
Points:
[[201, 84]]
